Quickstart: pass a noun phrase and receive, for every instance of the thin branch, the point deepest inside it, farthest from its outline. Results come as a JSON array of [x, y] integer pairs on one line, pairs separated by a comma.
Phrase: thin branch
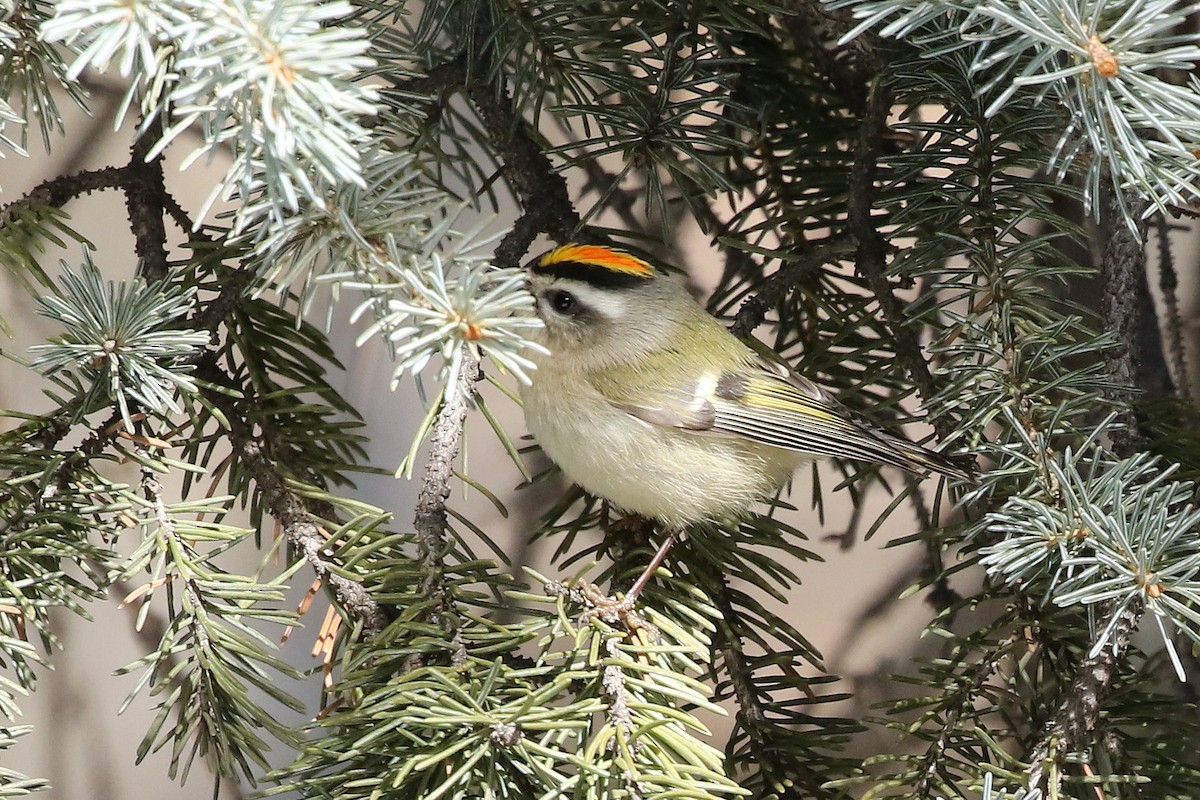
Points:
[[1079, 712], [301, 531], [451, 74], [152, 490], [773, 290], [234, 285], [1122, 274], [620, 700], [815, 15], [1191, 212], [847, 67], [183, 220], [872, 248], [1168, 283], [1122, 268], [968, 686], [753, 713], [541, 192], [91, 447], [57, 192], [602, 182], [432, 522], [145, 199], [288, 508]]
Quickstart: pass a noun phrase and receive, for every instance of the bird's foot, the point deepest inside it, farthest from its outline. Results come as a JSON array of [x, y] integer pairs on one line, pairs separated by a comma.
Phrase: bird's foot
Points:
[[617, 611]]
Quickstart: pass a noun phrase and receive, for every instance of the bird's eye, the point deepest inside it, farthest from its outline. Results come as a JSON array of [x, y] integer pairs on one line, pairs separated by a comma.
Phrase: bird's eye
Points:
[[562, 302]]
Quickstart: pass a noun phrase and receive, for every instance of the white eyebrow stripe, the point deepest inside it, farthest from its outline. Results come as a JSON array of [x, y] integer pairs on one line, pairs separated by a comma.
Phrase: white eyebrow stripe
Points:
[[608, 303]]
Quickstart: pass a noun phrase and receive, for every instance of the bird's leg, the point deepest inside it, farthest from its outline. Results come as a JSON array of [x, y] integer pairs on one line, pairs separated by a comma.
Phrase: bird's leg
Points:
[[660, 555], [610, 609]]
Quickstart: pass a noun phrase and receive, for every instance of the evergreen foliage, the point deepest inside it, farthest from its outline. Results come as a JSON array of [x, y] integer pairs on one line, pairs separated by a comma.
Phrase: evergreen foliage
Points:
[[837, 156]]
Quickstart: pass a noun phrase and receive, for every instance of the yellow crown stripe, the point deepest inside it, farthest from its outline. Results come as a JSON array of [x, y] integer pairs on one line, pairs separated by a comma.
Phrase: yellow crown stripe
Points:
[[596, 255]]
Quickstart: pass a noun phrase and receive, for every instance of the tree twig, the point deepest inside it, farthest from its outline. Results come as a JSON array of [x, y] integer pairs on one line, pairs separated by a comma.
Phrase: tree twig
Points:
[[1079, 710], [451, 74], [431, 518], [301, 531], [1168, 283], [182, 220], [753, 713], [960, 701], [291, 510], [145, 200], [774, 289], [57, 192], [234, 285], [541, 192], [1122, 268], [816, 24], [872, 248]]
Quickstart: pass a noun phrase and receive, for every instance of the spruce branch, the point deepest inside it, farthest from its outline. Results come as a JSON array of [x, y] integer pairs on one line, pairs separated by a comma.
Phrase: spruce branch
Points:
[[606, 184], [766, 737], [179, 215], [458, 310], [33, 71], [146, 201], [780, 744], [211, 652], [296, 519], [1110, 65], [295, 515], [235, 284], [275, 84], [772, 290], [851, 81], [542, 193], [122, 339], [58, 191], [30, 221], [642, 742], [528, 702], [1168, 284], [448, 76], [1122, 273], [872, 247], [45, 526], [618, 701], [93, 445], [149, 628], [959, 704], [432, 521], [1079, 711], [153, 491]]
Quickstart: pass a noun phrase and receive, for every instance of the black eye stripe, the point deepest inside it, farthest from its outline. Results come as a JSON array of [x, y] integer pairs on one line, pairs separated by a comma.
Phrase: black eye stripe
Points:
[[591, 274]]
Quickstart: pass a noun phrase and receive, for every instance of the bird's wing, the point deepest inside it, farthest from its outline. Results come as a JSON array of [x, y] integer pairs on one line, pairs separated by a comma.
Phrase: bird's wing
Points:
[[688, 408], [766, 401], [777, 411]]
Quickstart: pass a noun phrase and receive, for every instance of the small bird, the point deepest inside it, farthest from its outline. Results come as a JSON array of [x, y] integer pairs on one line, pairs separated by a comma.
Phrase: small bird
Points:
[[646, 400]]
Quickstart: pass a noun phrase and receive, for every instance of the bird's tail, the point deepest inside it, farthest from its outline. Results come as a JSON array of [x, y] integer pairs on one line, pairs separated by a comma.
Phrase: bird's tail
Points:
[[915, 458]]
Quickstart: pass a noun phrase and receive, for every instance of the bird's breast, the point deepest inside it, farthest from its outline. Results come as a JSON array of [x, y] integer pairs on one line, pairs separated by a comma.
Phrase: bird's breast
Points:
[[679, 477]]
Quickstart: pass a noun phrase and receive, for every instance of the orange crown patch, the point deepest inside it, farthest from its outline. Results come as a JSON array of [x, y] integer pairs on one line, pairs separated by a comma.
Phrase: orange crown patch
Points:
[[597, 255]]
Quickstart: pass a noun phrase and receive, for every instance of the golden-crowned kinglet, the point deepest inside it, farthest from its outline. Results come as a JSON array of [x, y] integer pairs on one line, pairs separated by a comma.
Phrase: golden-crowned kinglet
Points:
[[649, 402]]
